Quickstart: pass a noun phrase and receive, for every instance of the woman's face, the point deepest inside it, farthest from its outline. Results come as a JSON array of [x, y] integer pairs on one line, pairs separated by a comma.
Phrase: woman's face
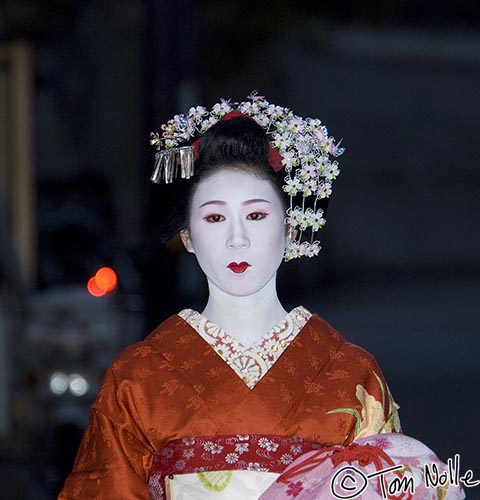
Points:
[[236, 231]]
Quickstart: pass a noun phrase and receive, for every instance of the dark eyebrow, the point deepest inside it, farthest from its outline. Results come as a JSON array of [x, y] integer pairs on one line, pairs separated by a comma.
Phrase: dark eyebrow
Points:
[[255, 200], [213, 202], [220, 202]]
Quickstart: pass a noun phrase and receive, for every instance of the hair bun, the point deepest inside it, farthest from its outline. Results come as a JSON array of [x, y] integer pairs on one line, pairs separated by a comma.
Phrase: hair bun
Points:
[[234, 140]]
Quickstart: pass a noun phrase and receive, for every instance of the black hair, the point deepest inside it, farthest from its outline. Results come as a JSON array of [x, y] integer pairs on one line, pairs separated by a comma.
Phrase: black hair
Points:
[[240, 144], [234, 141]]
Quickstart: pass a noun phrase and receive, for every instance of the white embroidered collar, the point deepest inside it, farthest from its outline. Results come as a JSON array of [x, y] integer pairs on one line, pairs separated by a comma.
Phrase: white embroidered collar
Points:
[[253, 362]]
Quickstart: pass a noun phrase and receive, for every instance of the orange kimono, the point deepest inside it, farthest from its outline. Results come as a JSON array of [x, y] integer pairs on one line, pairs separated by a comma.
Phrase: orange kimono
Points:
[[174, 385]]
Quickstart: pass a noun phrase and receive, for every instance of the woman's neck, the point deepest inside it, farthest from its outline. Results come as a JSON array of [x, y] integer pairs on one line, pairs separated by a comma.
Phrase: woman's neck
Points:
[[247, 318]]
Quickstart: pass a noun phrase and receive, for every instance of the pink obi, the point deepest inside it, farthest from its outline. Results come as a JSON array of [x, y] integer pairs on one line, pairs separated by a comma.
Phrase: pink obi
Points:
[[386, 466]]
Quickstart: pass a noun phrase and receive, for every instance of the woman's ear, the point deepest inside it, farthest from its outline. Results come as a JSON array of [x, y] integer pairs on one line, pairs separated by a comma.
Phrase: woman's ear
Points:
[[186, 240]]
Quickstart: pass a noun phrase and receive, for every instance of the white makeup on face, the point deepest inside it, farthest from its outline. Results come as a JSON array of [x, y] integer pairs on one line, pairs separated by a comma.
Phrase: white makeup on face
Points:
[[237, 231]]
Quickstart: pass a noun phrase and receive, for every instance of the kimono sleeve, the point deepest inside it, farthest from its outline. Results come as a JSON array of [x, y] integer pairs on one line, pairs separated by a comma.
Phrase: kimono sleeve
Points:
[[373, 408], [114, 458], [377, 411]]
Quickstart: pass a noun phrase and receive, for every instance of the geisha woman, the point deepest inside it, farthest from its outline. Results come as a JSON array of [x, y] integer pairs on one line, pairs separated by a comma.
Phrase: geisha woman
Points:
[[244, 399]]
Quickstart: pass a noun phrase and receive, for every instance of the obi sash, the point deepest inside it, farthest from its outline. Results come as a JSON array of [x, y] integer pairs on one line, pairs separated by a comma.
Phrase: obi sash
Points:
[[387, 466], [201, 456]]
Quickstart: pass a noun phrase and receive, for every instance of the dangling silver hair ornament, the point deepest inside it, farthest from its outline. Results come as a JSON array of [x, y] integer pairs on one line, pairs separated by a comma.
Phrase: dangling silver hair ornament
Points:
[[169, 163], [299, 146]]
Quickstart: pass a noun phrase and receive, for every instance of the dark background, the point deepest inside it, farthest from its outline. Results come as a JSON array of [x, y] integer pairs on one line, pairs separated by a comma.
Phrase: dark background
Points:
[[399, 272]]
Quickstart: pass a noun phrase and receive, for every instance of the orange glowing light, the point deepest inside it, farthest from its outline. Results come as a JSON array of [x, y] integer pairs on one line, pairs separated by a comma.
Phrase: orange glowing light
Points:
[[106, 279], [94, 289]]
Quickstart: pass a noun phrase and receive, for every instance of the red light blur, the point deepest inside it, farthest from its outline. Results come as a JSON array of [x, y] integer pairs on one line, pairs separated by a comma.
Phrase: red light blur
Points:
[[94, 289], [104, 281]]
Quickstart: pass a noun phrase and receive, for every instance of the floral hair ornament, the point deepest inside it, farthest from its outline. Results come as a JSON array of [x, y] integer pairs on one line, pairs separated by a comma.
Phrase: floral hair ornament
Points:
[[299, 145]]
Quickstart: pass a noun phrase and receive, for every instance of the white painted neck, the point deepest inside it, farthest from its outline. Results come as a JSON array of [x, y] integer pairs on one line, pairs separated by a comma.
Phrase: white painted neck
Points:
[[247, 318]]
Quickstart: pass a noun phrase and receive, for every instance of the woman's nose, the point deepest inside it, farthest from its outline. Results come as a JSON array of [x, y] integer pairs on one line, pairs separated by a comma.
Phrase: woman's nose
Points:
[[238, 237]]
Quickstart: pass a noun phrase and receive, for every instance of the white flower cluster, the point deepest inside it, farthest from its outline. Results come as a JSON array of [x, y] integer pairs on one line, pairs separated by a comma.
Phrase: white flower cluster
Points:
[[307, 152]]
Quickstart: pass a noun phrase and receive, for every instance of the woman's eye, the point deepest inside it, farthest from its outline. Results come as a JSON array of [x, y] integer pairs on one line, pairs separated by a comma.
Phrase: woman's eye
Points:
[[214, 218], [256, 216]]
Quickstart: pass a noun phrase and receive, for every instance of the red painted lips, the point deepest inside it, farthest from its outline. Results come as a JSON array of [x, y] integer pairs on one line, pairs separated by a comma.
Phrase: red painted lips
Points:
[[238, 267]]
